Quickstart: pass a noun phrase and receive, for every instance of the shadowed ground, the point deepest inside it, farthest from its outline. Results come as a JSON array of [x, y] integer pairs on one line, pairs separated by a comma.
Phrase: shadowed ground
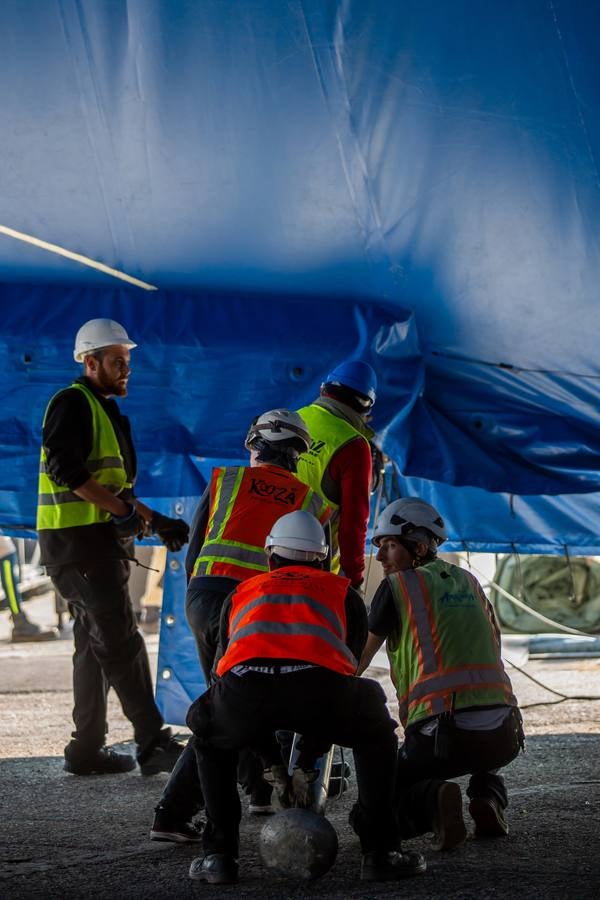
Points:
[[64, 836]]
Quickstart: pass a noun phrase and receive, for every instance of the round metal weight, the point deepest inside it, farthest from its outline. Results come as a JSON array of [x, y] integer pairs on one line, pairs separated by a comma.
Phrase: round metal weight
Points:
[[298, 843]]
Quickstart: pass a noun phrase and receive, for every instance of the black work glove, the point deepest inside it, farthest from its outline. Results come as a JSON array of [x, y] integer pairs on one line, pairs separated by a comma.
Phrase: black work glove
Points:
[[174, 533], [129, 525]]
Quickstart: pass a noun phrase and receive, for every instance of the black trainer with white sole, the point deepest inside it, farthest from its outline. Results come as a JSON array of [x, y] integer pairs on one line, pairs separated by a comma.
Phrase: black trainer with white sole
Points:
[[166, 828]]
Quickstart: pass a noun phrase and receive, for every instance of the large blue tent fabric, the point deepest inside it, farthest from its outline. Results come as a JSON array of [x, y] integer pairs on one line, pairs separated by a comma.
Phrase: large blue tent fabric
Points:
[[293, 184]]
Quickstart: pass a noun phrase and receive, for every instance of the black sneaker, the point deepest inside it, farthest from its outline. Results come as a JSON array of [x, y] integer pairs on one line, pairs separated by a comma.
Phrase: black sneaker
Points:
[[104, 762], [215, 868], [166, 828], [448, 824], [391, 865], [162, 756], [488, 817]]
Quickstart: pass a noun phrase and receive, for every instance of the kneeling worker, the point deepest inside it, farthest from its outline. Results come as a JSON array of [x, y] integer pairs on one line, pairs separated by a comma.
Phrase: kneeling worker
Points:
[[456, 701], [291, 640]]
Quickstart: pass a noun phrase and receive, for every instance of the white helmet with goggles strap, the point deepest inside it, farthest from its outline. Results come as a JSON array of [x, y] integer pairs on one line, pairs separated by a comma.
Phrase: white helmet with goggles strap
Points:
[[407, 519], [278, 425]]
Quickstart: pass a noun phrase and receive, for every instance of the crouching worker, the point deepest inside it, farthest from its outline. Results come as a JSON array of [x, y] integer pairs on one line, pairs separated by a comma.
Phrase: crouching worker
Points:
[[291, 640], [456, 701]]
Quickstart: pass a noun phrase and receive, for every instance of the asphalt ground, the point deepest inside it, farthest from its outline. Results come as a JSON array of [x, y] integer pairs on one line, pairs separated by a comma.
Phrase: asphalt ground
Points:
[[67, 836]]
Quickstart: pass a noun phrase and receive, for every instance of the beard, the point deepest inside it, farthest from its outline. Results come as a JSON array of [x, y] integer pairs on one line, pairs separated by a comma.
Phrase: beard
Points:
[[111, 386]]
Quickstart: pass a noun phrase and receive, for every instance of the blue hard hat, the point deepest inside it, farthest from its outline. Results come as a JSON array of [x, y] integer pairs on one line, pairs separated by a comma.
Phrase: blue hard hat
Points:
[[356, 375]]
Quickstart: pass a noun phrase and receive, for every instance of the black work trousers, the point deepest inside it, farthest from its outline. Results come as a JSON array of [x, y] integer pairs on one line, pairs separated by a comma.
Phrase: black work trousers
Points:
[[323, 706], [182, 795], [109, 652], [203, 612], [479, 754]]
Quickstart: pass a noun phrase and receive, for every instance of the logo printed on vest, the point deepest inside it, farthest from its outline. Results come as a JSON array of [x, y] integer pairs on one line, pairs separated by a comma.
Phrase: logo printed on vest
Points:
[[292, 576], [264, 489], [458, 598], [316, 447]]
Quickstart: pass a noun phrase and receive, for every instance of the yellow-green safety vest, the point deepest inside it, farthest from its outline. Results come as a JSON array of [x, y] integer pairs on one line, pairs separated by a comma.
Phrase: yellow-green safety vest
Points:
[[448, 644], [59, 507], [328, 434]]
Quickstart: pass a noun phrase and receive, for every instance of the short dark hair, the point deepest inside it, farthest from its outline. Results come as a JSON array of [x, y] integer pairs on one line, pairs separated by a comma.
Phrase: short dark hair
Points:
[[277, 562], [98, 354], [283, 453]]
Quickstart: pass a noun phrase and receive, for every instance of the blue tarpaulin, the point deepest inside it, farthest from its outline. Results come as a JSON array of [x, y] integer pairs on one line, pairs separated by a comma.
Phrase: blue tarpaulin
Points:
[[415, 184]]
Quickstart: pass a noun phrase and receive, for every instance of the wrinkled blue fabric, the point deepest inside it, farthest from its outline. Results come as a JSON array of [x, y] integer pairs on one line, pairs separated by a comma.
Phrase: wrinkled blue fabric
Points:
[[415, 184]]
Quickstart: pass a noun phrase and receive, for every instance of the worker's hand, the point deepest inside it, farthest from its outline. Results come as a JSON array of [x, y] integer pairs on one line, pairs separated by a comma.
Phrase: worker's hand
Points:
[[129, 525], [174, 533]]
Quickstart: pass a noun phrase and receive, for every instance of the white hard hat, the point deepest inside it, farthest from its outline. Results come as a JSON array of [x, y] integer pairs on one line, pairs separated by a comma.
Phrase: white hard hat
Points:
[[297, 535], [408, 518], [97, 334], [279, 425]]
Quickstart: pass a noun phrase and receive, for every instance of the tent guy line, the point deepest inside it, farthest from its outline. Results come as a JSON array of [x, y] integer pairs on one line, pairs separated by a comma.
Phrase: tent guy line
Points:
[[76, 257]]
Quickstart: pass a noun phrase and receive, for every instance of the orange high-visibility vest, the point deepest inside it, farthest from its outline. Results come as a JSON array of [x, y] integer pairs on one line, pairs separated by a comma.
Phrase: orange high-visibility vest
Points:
[[245, 502], [449, 644], [295, 612]]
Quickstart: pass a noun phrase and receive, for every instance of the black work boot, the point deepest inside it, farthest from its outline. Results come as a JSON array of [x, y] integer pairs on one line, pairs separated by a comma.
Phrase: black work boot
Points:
[[215, 868], [488, 816], [162, 755], [448, 824], [391, 865], [24, 631], [103, 762]]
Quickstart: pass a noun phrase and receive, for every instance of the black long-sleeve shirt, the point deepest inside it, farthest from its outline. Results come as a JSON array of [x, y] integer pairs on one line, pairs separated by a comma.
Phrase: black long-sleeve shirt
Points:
[[197, 531], [67, 436]]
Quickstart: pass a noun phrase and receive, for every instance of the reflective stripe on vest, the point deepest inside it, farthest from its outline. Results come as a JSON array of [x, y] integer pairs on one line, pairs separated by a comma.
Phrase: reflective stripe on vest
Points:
[[447, 645], [244, 504], [292, 613], [59, 507]]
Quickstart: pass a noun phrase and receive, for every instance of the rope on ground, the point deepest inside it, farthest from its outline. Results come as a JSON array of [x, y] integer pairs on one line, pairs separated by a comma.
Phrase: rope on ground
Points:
[[524, 606], [562, 697]]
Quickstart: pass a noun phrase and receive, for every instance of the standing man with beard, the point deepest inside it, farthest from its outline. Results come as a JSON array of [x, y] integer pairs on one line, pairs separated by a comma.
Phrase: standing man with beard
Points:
[[87, 519]]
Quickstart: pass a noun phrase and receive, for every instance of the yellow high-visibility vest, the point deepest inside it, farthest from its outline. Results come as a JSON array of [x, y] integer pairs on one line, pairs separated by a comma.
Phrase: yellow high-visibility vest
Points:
[[59, 507], [328, 433]]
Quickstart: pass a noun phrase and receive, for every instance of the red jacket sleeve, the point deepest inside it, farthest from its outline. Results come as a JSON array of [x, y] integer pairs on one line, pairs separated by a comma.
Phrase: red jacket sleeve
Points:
[[350, 468]]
